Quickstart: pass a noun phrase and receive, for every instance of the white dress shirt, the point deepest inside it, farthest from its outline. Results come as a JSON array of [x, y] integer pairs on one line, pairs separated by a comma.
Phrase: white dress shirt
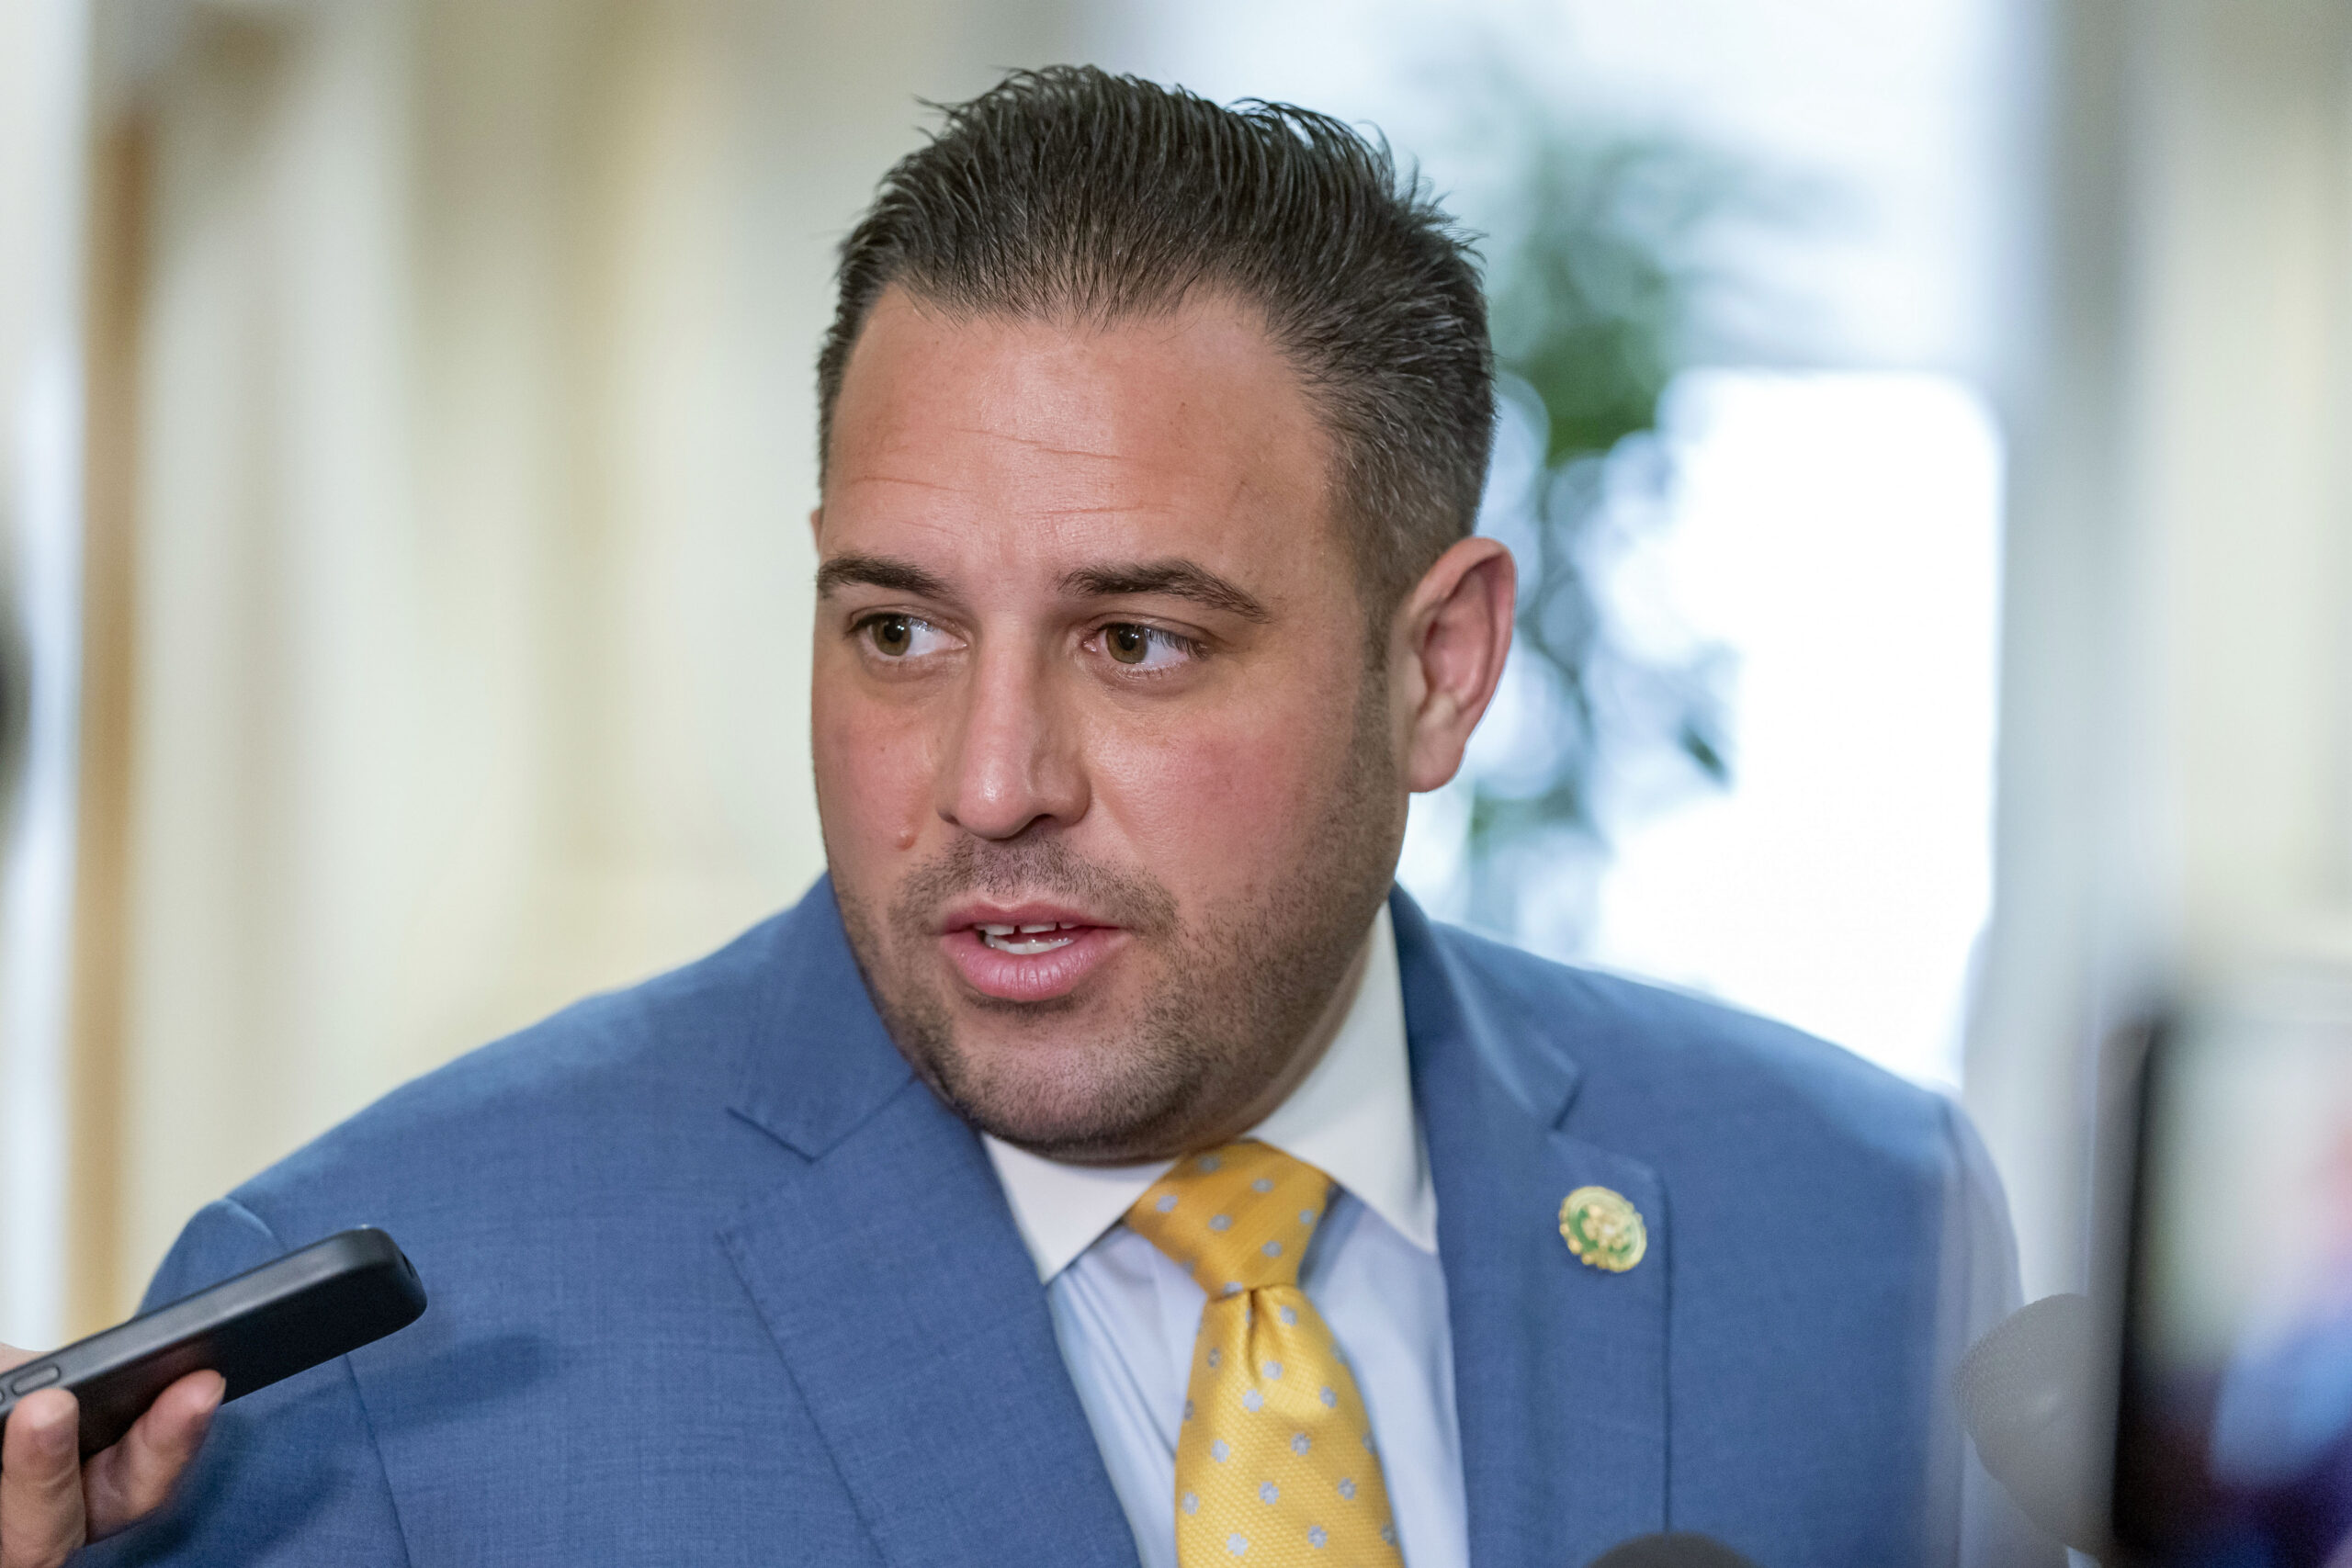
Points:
[[1126, 1315]]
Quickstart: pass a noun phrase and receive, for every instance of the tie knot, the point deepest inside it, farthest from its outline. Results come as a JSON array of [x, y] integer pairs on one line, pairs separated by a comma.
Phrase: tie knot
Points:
[[1237, 1218]]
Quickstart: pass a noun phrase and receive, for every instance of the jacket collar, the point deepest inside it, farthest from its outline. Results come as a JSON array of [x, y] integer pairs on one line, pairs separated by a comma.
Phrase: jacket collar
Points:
[[818, 1061], [884, 1264], [1560, 1368]]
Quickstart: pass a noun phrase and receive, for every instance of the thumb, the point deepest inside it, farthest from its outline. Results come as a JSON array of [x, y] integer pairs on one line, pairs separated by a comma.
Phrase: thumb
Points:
[[42, 1522]]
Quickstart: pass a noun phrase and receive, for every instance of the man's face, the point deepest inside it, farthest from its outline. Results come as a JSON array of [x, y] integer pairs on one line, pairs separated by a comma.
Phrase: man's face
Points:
[[1110, 788]]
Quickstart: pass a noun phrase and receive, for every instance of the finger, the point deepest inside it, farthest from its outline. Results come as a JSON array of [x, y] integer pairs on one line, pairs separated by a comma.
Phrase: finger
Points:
[[135, 1477], [40, 1482]]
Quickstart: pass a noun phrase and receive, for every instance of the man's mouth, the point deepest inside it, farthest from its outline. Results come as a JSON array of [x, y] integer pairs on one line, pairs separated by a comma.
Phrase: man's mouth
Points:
[[1026, 941], [1026, 951]]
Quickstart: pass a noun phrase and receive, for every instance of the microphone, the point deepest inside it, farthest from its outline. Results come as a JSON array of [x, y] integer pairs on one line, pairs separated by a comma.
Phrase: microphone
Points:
[[1679, 1548], [2030, 1395]]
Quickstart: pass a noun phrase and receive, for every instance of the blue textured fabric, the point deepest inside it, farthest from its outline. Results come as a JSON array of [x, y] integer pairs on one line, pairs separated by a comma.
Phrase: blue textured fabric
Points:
[[715, 1279]]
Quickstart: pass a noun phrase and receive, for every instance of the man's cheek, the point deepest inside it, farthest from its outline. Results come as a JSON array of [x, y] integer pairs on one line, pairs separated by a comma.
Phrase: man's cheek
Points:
[[1225, 793], [872, 774]]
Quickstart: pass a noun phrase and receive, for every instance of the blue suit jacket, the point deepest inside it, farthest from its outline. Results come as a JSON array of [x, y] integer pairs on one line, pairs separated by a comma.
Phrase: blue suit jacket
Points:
[[715, 1279]]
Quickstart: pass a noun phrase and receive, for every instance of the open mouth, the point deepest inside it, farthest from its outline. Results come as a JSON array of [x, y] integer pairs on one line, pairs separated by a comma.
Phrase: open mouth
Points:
[[1027, 953], [1026, 941]]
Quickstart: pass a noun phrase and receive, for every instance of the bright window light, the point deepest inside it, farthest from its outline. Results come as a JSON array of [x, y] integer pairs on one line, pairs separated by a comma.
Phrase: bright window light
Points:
[[1839, 533]]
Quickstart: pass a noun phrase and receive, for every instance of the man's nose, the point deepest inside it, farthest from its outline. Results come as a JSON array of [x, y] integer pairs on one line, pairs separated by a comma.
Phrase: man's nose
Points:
[[1012, 764]]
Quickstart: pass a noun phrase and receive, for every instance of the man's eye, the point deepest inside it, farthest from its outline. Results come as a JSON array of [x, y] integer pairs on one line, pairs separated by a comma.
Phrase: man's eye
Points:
[[898, 636], [1144, 647]]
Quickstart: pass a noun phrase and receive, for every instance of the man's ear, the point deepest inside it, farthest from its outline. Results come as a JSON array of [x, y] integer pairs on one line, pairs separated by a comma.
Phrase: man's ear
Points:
[[817, 523], [1449, 638]]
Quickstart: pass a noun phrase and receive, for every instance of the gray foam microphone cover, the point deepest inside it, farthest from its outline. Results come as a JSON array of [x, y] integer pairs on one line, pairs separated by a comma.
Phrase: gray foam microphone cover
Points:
[[2028, 1393]]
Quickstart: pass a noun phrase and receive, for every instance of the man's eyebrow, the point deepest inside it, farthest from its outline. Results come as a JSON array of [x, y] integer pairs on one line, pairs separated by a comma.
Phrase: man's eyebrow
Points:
[[1177, 579], [879, 571]]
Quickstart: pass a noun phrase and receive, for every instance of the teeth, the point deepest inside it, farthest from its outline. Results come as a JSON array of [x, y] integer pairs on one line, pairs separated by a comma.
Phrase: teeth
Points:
[[1038, 939]]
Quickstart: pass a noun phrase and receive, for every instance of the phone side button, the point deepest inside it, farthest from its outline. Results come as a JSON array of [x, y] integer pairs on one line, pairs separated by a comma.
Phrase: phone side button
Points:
[[38, 1376]]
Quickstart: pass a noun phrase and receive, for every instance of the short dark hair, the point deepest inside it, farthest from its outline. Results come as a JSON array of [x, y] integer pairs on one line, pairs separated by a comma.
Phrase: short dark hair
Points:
[[1070, 192]]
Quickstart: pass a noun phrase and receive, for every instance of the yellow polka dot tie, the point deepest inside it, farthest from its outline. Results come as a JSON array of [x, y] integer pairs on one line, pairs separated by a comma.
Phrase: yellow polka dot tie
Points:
[[1274, 1463]]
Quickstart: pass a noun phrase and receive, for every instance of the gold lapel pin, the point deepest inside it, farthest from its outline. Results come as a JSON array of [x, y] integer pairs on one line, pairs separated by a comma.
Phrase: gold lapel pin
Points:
[[1603, 1229]]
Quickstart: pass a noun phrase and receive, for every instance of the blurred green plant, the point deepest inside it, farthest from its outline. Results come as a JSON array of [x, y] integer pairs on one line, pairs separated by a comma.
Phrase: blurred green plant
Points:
[[1597, 272]]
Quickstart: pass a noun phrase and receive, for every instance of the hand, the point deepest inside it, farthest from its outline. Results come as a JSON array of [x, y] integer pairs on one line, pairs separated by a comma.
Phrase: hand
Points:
[[51, 1503]]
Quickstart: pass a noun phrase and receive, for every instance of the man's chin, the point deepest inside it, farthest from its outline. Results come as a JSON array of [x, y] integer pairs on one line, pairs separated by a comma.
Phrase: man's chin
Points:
[[1058, 1102]]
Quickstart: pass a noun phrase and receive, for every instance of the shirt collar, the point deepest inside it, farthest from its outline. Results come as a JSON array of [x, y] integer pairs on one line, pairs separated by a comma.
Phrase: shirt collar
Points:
[[1351, 1118]]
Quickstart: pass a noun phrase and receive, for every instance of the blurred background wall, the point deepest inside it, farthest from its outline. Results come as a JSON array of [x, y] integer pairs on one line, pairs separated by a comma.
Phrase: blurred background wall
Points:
[[406, 443], [445, 591], [2176, 786]]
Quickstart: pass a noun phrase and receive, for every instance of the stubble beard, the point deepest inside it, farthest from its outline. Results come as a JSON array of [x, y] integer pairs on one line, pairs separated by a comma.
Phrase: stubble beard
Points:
[[1230, 1000]]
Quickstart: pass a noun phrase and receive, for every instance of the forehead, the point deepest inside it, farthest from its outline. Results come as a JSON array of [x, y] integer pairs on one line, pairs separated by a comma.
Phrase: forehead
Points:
[[1013, 439]]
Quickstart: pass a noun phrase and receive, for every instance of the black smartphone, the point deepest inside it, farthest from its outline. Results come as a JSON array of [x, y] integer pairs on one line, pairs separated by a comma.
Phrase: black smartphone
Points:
[[270, 1323]]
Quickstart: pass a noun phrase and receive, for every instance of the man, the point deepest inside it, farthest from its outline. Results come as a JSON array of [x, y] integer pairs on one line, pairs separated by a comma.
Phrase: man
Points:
[[1103, 1164]]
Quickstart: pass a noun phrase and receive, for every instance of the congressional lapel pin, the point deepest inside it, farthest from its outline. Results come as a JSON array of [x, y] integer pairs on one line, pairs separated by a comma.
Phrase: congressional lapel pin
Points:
[[1604, 1230]]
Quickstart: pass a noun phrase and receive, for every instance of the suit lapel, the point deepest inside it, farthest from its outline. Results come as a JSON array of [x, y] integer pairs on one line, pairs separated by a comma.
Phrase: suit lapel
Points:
[[886, 1264], [1559, 1368]]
